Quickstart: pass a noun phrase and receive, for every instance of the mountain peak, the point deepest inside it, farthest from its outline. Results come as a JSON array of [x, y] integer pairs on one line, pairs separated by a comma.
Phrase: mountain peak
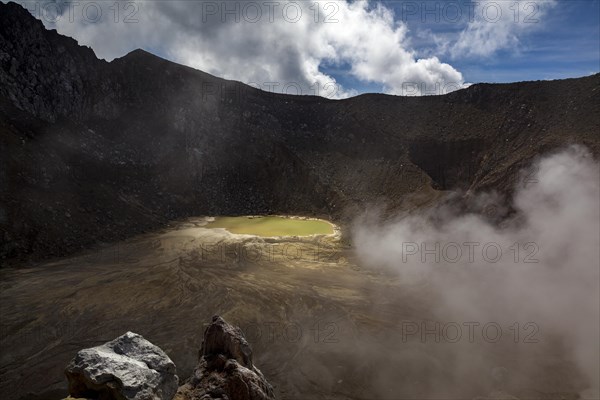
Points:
[[139, 52], [142, 56]]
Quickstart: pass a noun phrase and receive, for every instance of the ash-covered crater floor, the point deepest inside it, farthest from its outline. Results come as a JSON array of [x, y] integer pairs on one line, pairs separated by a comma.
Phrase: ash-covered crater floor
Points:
[[320, 324]]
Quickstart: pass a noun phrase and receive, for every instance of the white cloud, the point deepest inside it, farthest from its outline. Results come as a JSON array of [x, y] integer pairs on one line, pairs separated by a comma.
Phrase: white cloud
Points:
[[497, 25], [363, 38], [541, 267]]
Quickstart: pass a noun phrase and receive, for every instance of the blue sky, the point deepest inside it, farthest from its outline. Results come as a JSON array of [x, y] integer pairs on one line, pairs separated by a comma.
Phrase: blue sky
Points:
[[565, 43]]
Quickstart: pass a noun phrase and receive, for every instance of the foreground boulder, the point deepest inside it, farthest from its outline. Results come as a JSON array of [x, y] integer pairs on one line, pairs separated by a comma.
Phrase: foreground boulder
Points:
[[225, 370], [129, 367]]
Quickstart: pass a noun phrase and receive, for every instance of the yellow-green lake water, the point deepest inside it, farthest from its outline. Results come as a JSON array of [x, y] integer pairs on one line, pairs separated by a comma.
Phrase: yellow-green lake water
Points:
[[269, 226]]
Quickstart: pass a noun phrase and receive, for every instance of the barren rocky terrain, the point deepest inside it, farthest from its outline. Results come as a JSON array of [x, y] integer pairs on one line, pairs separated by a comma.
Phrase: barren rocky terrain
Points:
[[321, 326], [108, 170], [93, 152]]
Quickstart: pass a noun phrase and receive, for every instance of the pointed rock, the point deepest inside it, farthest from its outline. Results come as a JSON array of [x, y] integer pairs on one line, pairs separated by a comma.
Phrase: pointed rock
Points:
[[225, 369]]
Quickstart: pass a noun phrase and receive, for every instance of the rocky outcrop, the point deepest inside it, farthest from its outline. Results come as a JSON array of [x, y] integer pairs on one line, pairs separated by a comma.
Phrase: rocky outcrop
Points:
[[225, 370], [129, 367], [132, 368], [47, 77]]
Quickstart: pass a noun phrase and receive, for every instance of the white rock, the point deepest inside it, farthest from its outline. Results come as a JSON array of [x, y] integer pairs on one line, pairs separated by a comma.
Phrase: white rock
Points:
[[129, 367]]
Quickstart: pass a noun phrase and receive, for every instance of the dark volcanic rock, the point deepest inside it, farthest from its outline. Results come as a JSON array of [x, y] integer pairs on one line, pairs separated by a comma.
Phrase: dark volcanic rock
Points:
[[225, 370], [127, 368], [46, 75]]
